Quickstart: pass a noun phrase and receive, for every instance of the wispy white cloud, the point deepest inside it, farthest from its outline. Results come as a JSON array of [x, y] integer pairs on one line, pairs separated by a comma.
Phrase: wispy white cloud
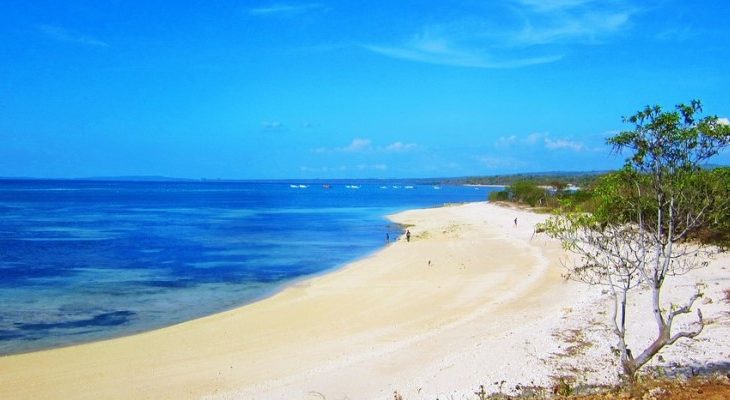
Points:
[[541, 139], [271, 126], [345, 168], [570, 21], [506, 141], [563, 144], [586, 28], [500, 162], [399, 147], [340, 168], [539, 36], [63, 35], [553, 5], [357, 145], [423, 50], [372, 167], [531, 139], [286, 10], [360, 145]]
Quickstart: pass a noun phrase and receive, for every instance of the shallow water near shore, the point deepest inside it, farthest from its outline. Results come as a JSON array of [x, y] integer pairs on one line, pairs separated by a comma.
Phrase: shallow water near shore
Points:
[[85, 260]]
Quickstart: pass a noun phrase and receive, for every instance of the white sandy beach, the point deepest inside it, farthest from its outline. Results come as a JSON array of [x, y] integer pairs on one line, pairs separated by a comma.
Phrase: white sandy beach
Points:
[[471, 300]]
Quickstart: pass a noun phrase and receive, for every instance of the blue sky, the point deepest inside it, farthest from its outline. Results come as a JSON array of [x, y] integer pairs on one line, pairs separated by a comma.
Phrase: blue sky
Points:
[[346, 89]]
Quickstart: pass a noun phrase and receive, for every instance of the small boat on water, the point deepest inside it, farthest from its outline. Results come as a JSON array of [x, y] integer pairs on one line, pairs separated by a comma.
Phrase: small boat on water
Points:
[[327, 186], [352, 187]]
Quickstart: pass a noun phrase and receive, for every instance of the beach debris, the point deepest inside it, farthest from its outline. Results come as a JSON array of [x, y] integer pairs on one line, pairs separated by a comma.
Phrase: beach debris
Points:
[[315, 394], [481, 394]]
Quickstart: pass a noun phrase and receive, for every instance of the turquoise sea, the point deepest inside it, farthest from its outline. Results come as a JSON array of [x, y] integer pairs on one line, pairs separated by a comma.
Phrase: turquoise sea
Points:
[[89, 260]]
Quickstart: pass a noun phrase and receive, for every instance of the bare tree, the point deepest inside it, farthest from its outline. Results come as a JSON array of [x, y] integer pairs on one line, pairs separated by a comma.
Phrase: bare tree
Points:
[[640, 232]]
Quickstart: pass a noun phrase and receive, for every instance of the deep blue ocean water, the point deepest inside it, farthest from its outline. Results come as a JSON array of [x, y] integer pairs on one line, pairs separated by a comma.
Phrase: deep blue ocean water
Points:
[[86, 260]]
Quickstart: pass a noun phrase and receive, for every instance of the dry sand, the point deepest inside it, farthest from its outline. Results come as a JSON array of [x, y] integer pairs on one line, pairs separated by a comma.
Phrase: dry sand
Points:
[[471, 300]]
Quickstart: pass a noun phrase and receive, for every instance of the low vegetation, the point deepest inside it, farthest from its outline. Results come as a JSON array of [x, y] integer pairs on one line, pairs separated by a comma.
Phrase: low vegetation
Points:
[[560, 197], [552, 196], [715, 387], [539, 179]]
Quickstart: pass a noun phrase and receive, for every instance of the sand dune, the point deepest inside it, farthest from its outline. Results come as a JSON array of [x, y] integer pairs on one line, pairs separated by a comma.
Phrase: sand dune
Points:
[[471, 300]]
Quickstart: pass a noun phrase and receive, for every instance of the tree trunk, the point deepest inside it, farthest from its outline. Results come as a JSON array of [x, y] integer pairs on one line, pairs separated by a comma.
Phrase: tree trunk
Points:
[[630, 368]]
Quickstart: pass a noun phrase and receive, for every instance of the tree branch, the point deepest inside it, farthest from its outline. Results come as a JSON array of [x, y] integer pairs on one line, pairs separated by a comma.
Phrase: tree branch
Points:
[[685, 309], [689, 335]]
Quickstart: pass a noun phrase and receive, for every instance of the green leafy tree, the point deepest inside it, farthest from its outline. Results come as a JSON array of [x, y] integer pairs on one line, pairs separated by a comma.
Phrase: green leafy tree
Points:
[[501, 195], [527, 192], [646, 215], [717, 228]]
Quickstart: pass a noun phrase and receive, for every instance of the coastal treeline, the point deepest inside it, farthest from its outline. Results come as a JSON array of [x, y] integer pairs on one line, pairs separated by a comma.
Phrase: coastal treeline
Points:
[[578, 179], [549, 196], [606, 197]]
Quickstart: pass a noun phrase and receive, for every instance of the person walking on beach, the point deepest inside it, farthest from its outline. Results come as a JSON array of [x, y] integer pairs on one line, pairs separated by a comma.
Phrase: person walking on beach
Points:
[[408, 235], [515, 221], [387, 237]]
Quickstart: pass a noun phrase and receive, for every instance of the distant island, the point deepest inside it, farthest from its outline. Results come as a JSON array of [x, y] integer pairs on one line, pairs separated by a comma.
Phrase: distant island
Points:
[[504, 179]]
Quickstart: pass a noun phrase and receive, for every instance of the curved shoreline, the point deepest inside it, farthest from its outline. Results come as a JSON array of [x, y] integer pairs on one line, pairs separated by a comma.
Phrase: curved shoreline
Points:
[[470, 300], [130, 326]]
